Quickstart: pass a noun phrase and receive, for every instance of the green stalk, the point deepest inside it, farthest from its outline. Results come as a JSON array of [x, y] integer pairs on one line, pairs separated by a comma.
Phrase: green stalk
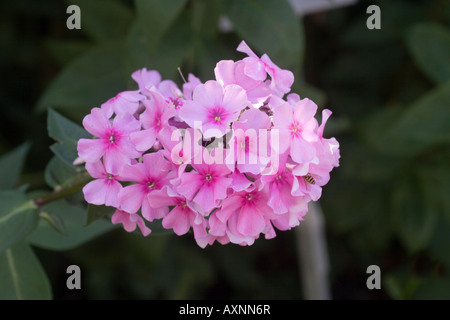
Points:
[[64, 192]]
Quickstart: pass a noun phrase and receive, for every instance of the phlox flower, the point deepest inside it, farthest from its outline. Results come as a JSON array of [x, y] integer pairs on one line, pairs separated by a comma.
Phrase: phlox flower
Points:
[[182, 216], [155, 117], [230, 72], [213, 107], [105, 188], [297, 129], [123, 102], [207, 184], [258, 68], [248, 150], [130, 221], [153, 173], [113, 141], [246, 213], [189, 86]]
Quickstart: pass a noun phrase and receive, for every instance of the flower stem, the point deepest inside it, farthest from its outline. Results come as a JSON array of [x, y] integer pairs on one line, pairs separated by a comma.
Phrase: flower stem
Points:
[[64, 192]]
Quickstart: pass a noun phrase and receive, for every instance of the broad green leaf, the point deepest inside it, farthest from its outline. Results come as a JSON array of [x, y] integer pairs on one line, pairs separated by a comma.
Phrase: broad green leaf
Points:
[[426, 122], [66, 133], [429, 45], [11, 166], [22, 276], [269, 26], [104, 20], [440, 244], [434, 289], [413, 217], [18, 217], [59, 174], [96, 212], [87, 81], [159, 38], [66, 50], [76, 233]]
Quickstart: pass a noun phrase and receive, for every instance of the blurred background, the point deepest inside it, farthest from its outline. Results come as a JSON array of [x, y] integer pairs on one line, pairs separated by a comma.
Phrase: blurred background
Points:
[[388, 204]]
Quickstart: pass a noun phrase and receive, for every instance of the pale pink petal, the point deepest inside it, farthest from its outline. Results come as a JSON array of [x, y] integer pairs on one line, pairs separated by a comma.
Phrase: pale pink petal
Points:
[[97, 123], [112, 192], [125, 123], [301, 150], [209, 94], [95, 191], [304, 110], [234, 99], [205, 198], [160, 198], [91, 150], [193, 113], [250, 222], [178, 220], [283, 116], [131, 197], [243, 47], [144, 139], [122, 217], [190, 183], [255, 69], [96, 169], [224, 72]]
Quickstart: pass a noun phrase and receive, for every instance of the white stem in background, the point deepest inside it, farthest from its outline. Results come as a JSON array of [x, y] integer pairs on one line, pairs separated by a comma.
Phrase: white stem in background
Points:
[[313, 254]]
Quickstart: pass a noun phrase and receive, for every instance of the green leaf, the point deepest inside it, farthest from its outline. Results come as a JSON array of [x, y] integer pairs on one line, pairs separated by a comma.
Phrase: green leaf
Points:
[[434, 289], [425, 123], [11, 166], [96, 212], [18, 217], [76, 233], [87, 81], [269, 26], [413, 217], [54, 221], [429, 45], [59, 174], [66, 133], [66, 50], [104, 20], [22, 276], [159, 38]]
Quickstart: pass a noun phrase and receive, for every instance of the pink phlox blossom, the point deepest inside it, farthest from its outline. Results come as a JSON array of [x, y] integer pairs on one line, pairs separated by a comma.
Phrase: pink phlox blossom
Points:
[[213, 108], [113, 143], [248, 150], [130, 221], [105, 187], [258, 68], [123, 102], [297, 129], [155, 117], [153, 173], [230, 72], [207, 184]]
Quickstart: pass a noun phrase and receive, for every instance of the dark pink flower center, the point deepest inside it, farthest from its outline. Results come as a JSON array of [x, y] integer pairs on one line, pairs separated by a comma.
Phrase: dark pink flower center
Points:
[[151, 185], [177, 103], [295, 128], [208, 177], [217, 115]]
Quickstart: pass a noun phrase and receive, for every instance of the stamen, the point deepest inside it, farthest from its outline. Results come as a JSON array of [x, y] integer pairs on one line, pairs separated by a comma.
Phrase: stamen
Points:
[[217, 118], [249, 196], [151, 185], [208, 177]]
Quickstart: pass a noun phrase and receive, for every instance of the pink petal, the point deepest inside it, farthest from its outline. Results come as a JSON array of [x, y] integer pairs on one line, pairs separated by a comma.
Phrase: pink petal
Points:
[[96, 169], [304, 110], [112, 192], [95, 191], [301, 150], [143, 140], [96, 123], [122, 217], [160, 198], [283, 116], [131, 197], [255, 69], [209, 94], [234, 99], [91, 150], [224, 72], [178, 220], [205, 198], [250, 222]]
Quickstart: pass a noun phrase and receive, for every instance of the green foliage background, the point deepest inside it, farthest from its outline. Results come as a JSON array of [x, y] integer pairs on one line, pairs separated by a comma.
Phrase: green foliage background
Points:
[[389, 90]]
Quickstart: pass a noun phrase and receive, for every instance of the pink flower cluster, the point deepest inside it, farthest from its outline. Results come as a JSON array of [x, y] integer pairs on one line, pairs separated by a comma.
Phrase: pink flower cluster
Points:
[[231, 158]]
